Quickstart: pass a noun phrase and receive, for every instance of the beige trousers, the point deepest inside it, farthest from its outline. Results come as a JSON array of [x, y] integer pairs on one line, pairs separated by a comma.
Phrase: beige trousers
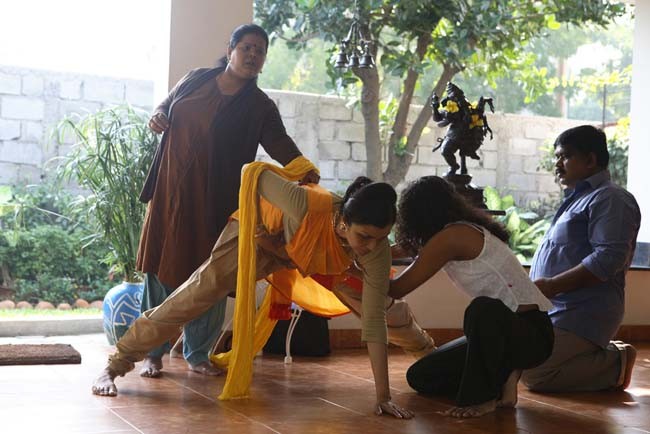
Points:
[[576, 365], [403, 329], [213, 281]]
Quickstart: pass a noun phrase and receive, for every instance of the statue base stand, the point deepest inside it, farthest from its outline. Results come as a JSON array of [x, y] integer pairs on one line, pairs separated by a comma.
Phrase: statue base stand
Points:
[[464, 186]]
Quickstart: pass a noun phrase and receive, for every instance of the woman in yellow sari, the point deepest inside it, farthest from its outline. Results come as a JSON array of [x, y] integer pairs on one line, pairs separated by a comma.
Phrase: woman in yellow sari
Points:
[[316, 233]]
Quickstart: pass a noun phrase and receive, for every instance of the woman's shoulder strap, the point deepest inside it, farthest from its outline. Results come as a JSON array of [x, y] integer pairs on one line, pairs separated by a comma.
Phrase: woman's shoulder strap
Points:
[[478, 227]]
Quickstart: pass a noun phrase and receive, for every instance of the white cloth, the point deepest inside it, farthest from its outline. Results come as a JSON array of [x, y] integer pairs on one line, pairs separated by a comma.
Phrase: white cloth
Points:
[[496, 273]]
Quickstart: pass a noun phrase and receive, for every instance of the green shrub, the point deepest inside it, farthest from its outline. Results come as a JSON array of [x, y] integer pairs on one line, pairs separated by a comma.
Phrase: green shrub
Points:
[[43, 247], [618, 147], [42, 250], [51, 264], [526, 228], [47, 288], [26, 206]]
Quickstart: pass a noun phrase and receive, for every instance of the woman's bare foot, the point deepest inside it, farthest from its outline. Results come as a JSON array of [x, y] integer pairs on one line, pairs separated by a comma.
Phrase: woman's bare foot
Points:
[[472, 410], [509, 392], [206, 368], [104, 385], [151, 367]]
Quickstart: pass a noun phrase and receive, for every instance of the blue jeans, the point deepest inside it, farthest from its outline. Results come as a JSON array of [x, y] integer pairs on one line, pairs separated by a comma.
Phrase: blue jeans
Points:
[[198, 335]]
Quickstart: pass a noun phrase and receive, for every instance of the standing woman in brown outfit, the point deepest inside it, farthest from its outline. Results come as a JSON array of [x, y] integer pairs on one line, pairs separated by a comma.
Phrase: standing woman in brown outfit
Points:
[[212, 123]]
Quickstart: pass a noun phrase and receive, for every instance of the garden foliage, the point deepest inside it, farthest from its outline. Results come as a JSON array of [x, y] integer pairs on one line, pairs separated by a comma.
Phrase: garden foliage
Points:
[[43, 251]]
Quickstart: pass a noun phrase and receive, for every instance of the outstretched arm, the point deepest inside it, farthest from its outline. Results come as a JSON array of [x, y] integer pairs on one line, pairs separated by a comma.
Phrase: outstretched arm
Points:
[[274, 138], [284, 194], [378, 354], [376, 272], [456, 242]]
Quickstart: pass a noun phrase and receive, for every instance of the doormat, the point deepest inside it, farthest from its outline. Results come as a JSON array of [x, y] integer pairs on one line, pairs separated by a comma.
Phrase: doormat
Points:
[[45, 354]]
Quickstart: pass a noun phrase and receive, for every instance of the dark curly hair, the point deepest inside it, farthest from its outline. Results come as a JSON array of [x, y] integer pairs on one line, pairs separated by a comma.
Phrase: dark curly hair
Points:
[[369, 203], [430, 203]]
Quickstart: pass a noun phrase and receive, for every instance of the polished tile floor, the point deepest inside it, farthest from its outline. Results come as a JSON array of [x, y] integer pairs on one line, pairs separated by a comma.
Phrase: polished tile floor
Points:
[[313, 395]]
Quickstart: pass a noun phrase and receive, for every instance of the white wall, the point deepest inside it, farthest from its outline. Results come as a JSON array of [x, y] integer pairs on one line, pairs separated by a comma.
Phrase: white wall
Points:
[[439, 305]]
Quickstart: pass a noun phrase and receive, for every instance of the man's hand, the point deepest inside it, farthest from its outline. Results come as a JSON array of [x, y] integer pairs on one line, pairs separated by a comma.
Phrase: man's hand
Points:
[[547, 286], [312, 177]]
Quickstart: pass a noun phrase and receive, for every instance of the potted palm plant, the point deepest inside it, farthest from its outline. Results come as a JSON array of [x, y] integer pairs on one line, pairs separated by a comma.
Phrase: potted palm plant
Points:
[[110, 158]]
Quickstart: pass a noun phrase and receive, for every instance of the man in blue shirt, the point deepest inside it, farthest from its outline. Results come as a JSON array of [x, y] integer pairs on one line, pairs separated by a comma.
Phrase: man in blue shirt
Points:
[[580, 266]]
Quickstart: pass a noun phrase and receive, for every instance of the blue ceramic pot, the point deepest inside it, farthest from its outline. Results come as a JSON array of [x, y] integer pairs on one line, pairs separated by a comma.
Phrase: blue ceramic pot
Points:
[[121, 307]]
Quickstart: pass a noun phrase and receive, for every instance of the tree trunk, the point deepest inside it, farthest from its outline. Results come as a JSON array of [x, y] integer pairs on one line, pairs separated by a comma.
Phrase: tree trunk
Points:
[[370, 111], [560, 97], [401, 117], [399, 165]]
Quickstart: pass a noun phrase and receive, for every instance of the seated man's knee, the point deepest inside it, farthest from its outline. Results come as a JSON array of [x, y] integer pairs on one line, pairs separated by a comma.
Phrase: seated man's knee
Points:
[[536, 379]]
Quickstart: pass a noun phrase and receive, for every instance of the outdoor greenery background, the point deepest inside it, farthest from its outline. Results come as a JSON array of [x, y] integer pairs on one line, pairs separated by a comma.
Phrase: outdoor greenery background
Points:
[[45, 249], [305, 69], [58, 246], [43, 246]]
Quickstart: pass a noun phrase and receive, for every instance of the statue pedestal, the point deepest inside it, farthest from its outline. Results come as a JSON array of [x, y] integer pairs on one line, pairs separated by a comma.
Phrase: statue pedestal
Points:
[[464, 186], [471, 192]]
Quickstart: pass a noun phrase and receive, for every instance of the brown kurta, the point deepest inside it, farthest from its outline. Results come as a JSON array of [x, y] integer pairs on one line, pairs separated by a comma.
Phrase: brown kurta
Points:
[[195, 177]]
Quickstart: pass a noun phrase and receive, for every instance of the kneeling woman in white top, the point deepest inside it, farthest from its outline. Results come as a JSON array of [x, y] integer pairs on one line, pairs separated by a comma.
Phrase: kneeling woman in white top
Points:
[[506, 325]]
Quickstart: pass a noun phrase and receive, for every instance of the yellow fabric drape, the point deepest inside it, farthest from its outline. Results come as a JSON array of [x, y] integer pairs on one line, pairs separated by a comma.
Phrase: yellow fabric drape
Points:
[[321, 254], [304, 291], [240, 362], [307, 293], [263, 328]]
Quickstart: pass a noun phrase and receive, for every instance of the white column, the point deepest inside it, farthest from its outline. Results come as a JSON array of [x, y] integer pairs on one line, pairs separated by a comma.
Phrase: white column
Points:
[[198, 34], [638, 182]]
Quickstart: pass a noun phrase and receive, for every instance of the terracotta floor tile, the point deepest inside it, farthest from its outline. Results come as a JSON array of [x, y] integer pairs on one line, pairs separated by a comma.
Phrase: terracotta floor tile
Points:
[[333, 394], [203, 417], [56, 418]]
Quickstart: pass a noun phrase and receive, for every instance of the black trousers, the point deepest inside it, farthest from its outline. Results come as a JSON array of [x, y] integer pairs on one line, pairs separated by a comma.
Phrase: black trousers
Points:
[[473, 369]]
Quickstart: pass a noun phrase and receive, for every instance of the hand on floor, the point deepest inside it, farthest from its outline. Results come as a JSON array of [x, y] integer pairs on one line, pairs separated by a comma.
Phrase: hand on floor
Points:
[[389, 407]]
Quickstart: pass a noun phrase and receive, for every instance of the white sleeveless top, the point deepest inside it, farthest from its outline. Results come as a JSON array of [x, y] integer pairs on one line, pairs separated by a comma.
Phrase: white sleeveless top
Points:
[[496, 273]]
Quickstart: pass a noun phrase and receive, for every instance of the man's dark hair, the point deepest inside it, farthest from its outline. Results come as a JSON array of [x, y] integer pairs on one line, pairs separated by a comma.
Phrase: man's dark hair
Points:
[[586, 139]]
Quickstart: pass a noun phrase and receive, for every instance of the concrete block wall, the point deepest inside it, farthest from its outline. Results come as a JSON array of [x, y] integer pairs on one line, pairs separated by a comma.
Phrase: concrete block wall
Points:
[[335, 140], [328, 132], [32, 102]]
